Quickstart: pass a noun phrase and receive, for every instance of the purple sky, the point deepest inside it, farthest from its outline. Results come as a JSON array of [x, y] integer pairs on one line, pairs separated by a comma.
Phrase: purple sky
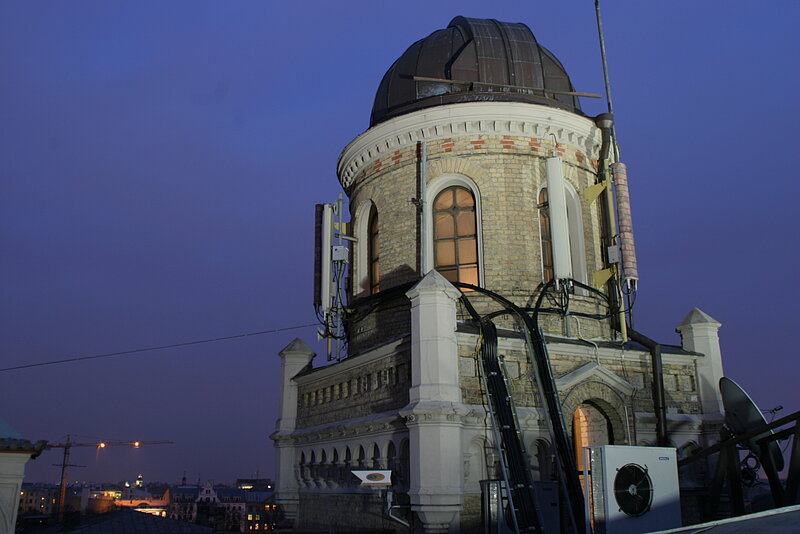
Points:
[[159, 163]]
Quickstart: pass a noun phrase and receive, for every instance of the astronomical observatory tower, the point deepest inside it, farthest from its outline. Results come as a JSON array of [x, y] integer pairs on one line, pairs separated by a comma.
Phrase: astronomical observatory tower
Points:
[[475, 299]]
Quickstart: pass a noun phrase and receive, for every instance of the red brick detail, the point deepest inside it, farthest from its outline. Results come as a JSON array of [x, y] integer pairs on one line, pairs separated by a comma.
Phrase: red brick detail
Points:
[[579, 157], [478, 143], [448, 144], [377, 166], [396, 157], [507, 142]]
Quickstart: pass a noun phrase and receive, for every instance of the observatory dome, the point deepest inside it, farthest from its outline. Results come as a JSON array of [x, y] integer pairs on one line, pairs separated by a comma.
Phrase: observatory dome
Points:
[[473, 60]]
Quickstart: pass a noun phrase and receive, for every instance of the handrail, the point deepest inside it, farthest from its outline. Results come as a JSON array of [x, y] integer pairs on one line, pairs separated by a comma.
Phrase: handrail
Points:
[[741, 437]]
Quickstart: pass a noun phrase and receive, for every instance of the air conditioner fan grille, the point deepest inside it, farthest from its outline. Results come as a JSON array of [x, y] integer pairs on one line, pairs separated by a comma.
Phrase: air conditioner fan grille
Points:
[[633, 489]]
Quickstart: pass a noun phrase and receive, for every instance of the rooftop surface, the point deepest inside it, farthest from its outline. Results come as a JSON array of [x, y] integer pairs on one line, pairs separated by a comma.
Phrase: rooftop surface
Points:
[[784, 520], [128, 522]]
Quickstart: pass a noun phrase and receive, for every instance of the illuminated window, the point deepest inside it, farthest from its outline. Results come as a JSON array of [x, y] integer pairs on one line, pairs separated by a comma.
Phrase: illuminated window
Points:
[[374, 252], [455, 236]]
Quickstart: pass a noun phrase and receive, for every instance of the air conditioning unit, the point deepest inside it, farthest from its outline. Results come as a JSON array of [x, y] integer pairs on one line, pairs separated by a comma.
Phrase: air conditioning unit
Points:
[[631, 490]]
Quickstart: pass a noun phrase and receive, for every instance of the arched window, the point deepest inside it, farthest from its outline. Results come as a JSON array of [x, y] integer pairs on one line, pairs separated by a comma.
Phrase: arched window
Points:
[[547, 243], [542, 464], [373, 252], [376, 456], [455, 238], [575, 231], [391, 458]]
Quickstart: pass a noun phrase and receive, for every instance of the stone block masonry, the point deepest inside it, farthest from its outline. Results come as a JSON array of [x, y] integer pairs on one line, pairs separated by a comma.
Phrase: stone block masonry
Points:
[[361, 391]]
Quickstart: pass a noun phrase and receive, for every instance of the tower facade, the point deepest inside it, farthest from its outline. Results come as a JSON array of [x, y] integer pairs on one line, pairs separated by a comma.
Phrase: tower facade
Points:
[[479, 169]]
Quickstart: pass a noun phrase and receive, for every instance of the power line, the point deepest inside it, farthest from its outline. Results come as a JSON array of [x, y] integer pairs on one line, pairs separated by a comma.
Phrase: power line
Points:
[[160, 347]]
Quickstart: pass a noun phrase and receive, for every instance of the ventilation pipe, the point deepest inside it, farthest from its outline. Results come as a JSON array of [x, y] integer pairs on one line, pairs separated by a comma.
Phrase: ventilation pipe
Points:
[[659, 399], [559, 224]]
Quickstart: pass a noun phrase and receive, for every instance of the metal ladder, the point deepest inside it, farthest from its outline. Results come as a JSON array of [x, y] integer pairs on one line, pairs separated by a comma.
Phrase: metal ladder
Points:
[[506, 429]]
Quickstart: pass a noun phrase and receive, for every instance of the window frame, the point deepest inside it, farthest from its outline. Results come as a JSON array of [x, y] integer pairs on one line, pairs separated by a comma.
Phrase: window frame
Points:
[[373, 236], [436, 186], [360, 273]]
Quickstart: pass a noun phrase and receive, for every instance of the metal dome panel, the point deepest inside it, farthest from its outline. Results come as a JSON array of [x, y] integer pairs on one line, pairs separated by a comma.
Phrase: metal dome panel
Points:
[[473, 60]]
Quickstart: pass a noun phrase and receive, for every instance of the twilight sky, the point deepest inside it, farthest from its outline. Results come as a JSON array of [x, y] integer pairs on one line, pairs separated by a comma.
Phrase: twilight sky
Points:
[[159, 163]]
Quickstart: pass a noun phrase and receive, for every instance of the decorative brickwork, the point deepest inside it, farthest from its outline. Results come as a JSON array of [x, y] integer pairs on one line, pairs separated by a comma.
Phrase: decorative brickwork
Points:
[[508, 171]]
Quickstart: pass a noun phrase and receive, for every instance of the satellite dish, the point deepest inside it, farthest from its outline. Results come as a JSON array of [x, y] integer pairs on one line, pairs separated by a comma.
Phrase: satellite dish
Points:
[[742, 416]]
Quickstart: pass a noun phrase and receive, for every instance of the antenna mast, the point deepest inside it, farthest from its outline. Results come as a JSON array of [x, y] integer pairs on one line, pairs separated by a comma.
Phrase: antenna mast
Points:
[[620, 224], [331, 259], [605, 73]]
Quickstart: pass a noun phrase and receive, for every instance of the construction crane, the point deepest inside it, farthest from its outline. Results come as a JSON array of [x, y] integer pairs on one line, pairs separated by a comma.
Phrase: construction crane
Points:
[[67, 446]]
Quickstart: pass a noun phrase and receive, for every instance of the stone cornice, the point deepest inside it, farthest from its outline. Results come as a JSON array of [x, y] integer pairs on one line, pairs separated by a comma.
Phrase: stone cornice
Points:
[[473, 118], [582, 350], [434, 413], [385, 422], [348, 364]]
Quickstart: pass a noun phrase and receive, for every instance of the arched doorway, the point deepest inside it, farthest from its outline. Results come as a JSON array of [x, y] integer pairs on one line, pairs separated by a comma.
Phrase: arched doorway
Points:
[[590, 427]]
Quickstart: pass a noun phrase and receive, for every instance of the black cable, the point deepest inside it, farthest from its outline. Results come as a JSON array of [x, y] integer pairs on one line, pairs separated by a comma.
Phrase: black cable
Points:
[[160, 347], [545, 383]]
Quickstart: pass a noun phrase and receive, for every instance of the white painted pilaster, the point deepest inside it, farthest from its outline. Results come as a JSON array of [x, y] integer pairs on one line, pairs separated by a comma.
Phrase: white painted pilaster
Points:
[[435, 412], [434, 349], [12, 471], [700, 333], [294, 358]]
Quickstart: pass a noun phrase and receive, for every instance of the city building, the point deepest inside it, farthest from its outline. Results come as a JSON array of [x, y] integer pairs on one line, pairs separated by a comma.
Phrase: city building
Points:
[[262, 512], [183, 503], [480, 168], [224, 508], [38, 499], [149, 504]]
